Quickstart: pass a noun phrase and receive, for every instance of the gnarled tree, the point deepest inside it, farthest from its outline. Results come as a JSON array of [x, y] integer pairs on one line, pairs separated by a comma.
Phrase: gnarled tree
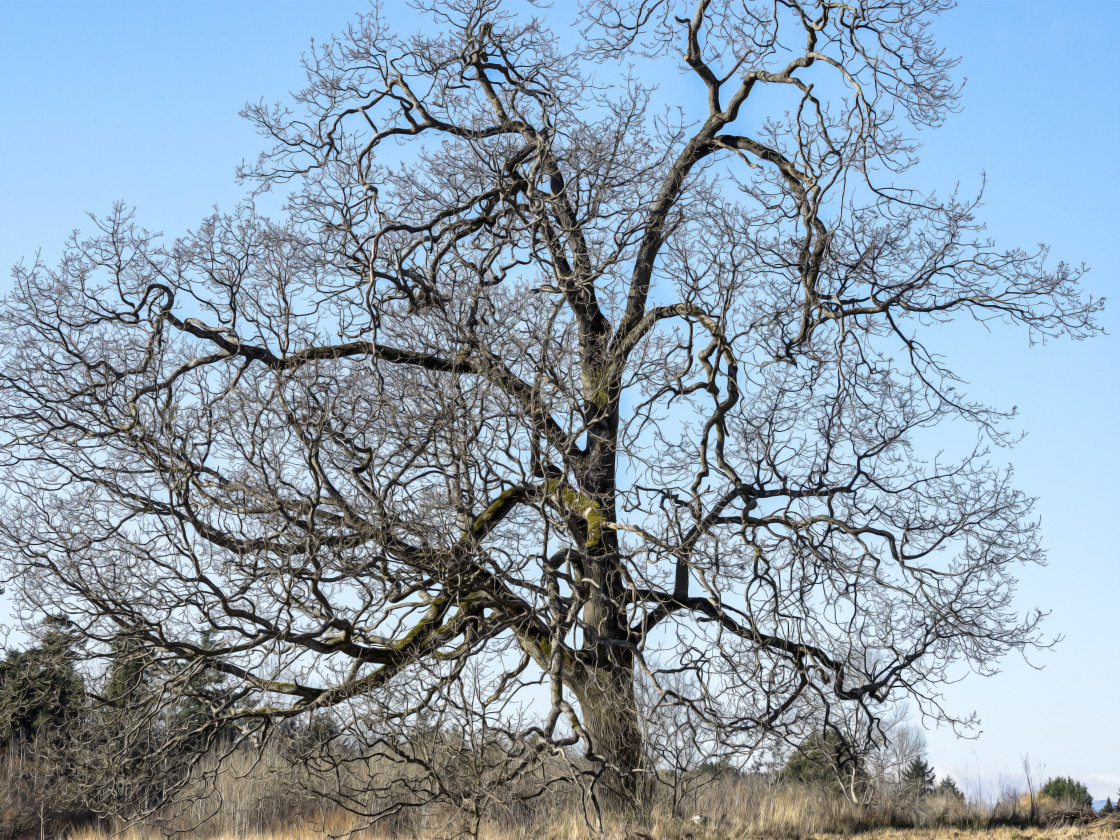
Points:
[[544, 376]]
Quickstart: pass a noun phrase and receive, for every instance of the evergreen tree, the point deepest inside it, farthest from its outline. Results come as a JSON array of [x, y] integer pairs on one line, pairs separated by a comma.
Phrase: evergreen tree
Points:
[[1067, 789], [41, 691], [948, 787], [821, 759], [196, 716], [918, 778], [1107, 807], [128, 670]]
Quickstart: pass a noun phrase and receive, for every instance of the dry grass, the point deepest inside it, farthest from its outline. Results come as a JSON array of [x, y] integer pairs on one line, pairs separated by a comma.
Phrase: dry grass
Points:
[[261, 798], [575, 831], [253, 807]]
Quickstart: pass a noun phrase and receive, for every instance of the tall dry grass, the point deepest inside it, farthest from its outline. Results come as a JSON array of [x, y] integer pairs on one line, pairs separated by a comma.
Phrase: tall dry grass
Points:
[[265, 796]]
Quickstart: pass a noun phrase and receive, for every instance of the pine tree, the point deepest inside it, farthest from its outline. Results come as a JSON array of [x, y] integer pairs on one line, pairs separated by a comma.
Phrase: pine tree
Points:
[[128, 670], [41, 691], [821, 759], [1107, 809], [918, 778], [197, 715], [1068, 789], [948, 787]]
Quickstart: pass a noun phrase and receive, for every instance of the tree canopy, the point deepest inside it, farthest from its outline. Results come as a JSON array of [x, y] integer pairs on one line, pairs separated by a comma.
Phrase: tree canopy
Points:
[[543, 379]]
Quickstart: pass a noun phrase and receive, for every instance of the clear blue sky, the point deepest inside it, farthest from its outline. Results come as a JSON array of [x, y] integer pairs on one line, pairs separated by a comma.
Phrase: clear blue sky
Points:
[[138, 101]]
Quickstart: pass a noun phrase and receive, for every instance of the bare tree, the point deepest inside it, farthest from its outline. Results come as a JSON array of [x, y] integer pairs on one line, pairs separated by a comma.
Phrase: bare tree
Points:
[[542, 376]]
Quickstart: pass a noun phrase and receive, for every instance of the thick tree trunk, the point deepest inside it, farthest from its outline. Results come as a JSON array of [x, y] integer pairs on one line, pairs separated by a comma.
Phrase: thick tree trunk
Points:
[[605, 688], [610, 716]]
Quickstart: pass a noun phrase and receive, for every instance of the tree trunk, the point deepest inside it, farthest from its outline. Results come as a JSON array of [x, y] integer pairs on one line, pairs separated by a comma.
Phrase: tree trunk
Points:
[[605, 688], [610, 716]]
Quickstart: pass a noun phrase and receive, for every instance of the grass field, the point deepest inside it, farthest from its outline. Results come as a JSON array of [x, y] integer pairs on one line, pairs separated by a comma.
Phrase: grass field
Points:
[[263, 797], [795, 823], [682, 832]]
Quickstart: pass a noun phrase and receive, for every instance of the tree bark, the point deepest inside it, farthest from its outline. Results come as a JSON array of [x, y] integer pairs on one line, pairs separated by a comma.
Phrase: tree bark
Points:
[[610, 716], [606, 688]]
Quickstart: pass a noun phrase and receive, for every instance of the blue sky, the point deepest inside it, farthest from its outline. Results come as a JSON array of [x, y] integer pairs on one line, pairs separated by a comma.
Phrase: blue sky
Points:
[[138, 101]]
